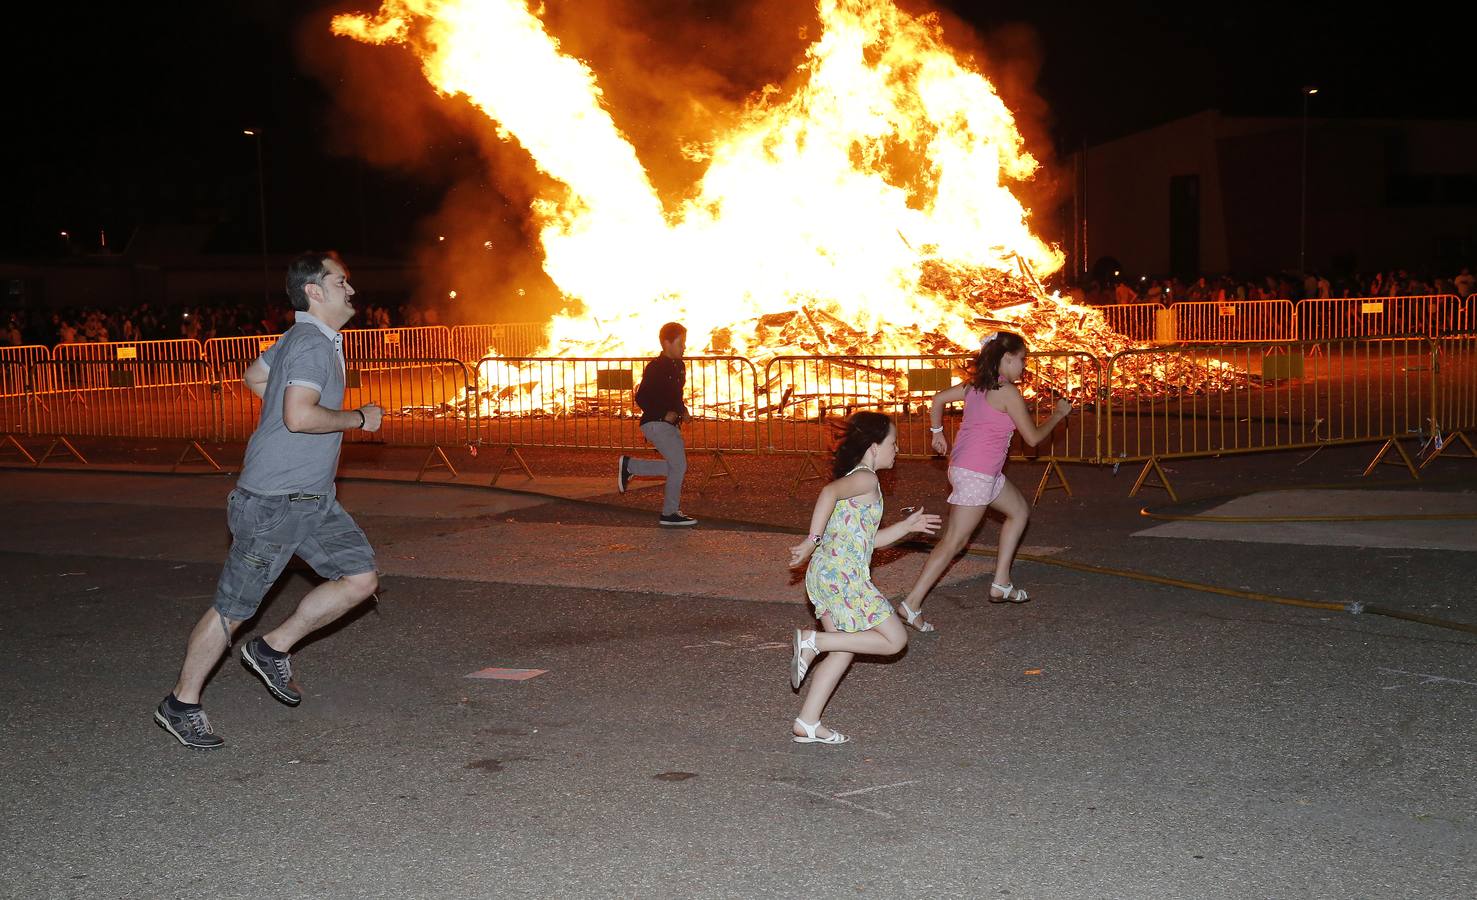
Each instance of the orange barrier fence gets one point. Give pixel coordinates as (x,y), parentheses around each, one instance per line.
(15,406)
(375,346)
(426,402)
(471,343)
(1139,405)
(1455,365)
(541,402)
(138,399)
(14,367)
(1208,321)
(236,353)
(1257,397)
(1139,321)
(80,367)
(802,396)
(1430,316)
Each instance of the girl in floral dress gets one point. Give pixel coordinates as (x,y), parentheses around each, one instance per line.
(856,618)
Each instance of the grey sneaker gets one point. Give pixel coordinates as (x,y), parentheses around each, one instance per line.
(623,477)
(276,672)
(677,518)
(189,727)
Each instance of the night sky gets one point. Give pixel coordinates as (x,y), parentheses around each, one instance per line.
(123,117)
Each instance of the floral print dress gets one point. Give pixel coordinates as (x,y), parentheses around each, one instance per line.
(839,578)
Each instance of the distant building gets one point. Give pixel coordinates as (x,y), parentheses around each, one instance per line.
(1212,193)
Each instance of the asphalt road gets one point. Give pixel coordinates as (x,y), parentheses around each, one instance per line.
(1114,737)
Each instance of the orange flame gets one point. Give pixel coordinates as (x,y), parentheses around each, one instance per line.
(892,155)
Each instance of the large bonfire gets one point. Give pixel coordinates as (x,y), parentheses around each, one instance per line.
(866,210)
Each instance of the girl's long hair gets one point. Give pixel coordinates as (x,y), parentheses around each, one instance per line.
(984,369)
(857,434)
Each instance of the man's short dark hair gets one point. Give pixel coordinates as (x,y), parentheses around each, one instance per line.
(672,331)
(305,269)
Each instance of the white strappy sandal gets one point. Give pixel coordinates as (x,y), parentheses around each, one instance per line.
(1009,593)
(810,738)
(912,617)
(798,665)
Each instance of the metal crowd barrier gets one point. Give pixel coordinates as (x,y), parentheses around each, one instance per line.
(1135,321)
(590,403)
(1455,364)
(15,403)
(1430,315)
(141,400)
(374,347)
(91,366)
(232,353)
(471,343)
(802,397)
(14,367)
(1140,405)
(426,402)
(1258,397)
(1209,321)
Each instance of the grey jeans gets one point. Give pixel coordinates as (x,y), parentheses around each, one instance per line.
(667,439)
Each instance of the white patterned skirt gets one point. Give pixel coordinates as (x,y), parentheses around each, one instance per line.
(973,488)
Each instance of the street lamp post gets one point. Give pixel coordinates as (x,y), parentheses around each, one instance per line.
(261,200)
(1303,218)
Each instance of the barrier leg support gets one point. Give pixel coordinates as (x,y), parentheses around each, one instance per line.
(436,459)
(199,452)
(806,462)
(1152,465)
(1052,468)
(1404,459)
(718,463)
(513,452)
(10,441)
(70,449)
(1445,444)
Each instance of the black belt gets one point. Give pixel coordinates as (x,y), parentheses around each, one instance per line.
(294,498)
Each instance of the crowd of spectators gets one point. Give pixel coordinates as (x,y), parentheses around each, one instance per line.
(1223,288)
(148,323)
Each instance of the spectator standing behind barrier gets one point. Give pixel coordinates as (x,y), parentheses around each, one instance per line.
(662,412)
(1464,283)
(993,411)
(284,503)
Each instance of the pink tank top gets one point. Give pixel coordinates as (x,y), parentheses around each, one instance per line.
(983,440)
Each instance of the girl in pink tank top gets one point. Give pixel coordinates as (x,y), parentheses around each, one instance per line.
(994,411)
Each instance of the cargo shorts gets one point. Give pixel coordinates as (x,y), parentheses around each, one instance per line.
(268,529)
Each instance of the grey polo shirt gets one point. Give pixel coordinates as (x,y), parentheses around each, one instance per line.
(279,461)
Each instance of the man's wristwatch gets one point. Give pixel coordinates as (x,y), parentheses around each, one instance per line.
(362,421)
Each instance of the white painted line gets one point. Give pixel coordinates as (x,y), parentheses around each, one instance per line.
(830,799)
(1430,679)
(507,674)
(880,787)
(781,645)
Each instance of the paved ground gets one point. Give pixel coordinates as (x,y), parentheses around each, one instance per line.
(1115,737)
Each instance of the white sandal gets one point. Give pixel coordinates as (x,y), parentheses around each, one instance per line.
(810,738)
(798,665)
(912,618)
(1009,593)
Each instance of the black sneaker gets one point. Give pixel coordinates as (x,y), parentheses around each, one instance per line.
(677,518)
(189,726)
(275,671)
(623,477)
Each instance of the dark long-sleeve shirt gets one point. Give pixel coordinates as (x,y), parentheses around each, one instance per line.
(661,389)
